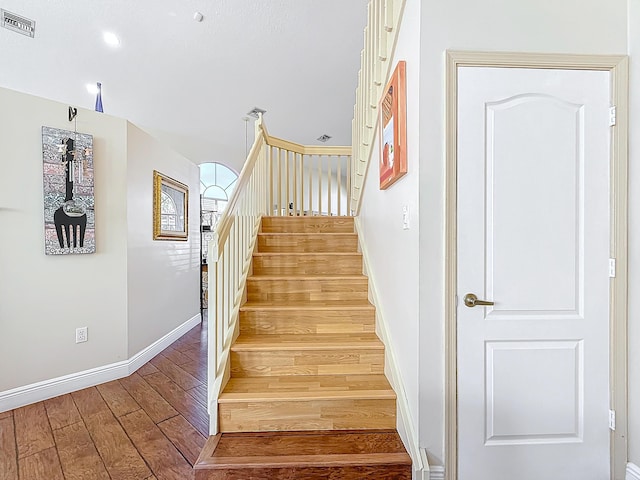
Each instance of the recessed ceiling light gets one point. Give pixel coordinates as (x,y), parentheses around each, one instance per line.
(92,88)
(111,39)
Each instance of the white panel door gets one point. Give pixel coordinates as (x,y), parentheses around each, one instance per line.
(533,237)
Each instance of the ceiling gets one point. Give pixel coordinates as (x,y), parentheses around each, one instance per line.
(190,83)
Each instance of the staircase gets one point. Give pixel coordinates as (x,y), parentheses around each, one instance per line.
(307,366)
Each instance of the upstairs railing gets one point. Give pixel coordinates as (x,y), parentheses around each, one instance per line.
(308,180)
(380,36)
(278,178)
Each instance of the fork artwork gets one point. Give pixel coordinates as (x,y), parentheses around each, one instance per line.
(70,216)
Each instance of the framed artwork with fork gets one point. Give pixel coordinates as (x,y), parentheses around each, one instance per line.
(69,215)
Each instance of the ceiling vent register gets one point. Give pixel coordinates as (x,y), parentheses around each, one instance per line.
(324,138)
(255,113)
(18,24)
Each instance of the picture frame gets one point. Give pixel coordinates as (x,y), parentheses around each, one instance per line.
(170,208)
(393,128)
(68,191)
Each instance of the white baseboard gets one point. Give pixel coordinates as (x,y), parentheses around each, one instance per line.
(36,392)
(435,473)
(633,472)
(428,472)
(405,424)
(146,354)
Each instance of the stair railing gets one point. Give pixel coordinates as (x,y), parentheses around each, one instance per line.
(308,180)
(278,178)
(229,260)
(380,36)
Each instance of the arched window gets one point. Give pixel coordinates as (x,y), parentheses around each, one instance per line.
(217,182)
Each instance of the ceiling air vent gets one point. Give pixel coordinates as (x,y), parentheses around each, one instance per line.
(255,113)
(18,24)
(324,138)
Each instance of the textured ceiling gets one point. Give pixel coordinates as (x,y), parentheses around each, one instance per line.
(191,83)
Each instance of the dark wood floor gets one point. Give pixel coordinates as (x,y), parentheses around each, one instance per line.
(150,425)
(326,455)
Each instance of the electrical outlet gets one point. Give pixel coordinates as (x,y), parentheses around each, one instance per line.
(81,334)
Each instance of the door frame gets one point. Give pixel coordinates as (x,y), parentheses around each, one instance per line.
(618,68)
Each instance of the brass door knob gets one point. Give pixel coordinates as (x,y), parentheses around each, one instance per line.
(471,300)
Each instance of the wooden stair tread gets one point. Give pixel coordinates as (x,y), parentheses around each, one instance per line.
(305,254)
(310,262)
(308,224)
(306,387)
(307,242)
(307,321)
(290,218)
(308,234)
(306,276)
(304,217)
(303,449)
(293,218)
(319,305)
(319,341)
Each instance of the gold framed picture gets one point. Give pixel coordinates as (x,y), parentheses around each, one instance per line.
(170,208)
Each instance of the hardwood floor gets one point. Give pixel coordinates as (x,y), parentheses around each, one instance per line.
(150,425)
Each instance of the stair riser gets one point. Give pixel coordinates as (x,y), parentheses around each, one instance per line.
(307,415)
(307,243)
(371,472)
(308,224)
(264,322)
(307,290)
(305,362)
(317,264)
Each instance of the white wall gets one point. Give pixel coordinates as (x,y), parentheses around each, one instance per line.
(130,293)
(554,26)
(163,276)
(392,251)
(44,298)
(634,235)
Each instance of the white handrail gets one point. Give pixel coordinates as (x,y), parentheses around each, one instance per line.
(278,178)
(380,36)
(229,260)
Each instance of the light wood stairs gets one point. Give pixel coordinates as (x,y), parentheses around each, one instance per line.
(307,363)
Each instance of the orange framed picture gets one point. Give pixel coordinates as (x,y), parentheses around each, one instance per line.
(393,128)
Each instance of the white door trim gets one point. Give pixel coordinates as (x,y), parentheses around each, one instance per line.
(618,66)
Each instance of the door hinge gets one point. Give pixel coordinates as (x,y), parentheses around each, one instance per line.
(612,420)
(612,116)
(612,268)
